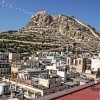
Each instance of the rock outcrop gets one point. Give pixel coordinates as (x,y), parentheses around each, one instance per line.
(64,30)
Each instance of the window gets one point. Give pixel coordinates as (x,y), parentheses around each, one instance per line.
(76,62)
(4,65)
(68,61)
(79,62)
(72,61)
(2,69)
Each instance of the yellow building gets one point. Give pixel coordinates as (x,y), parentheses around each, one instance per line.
(14,69)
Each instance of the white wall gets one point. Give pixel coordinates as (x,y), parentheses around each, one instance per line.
(4,89)
(53,67)
(61,74)
(95,64)
(1,90)
(23,75)
(14,56)
(50,57)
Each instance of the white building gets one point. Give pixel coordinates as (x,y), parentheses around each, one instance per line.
(24,75)
(54,61)
(95,64)
(4,89)
(62,72)
(51,67)
(13,99)
(13,56)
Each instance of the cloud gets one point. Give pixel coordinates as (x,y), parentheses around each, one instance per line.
(3,3)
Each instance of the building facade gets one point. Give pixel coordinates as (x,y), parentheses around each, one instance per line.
(5,68)
(77,64)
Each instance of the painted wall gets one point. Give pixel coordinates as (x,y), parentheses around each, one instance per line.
(95,64)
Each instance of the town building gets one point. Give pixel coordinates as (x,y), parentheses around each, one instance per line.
(95,64)
(89,91)
(4,89)
(5,68)
(62,72)
(52,62)
(14,57)
(78,64)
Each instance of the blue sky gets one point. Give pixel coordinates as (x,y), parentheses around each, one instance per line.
(15,14)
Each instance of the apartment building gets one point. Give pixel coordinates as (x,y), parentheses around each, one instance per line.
(5,68)
(78,64)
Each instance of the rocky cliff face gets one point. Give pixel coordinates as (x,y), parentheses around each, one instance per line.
(63,30)
(42,19)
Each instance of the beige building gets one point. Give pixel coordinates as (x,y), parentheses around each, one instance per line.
(14,56)
(77,64)
(15,69)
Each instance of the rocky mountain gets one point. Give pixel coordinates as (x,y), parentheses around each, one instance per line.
(61,30)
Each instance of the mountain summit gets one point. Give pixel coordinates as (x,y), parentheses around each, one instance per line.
(62,30)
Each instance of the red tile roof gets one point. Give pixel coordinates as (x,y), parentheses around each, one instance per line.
(89,91)
(85,94)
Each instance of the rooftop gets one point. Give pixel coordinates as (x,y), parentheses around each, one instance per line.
(89,91)
(13,99)
(3,84)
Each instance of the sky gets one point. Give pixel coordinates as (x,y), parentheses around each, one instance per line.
(15,14)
